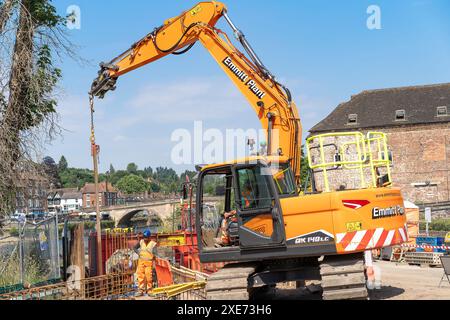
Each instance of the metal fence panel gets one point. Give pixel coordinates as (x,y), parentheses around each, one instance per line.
(31,257)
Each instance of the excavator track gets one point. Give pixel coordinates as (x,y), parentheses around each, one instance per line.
(230,283)
(343,278)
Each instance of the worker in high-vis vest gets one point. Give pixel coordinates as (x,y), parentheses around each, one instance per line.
(146,250)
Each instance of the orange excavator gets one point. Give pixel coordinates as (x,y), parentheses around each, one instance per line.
(280,232)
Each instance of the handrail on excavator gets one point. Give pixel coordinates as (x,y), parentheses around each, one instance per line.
(353,151)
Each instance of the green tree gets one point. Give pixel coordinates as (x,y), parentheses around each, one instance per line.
(62,164)
(304,171)
(76,178)
(51,170)
(148,172)
(112,170)
(132,168)
(132,184)
(115,178)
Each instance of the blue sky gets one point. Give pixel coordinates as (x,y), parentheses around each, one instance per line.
(321,49)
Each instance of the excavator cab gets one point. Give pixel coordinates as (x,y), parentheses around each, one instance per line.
(252,194)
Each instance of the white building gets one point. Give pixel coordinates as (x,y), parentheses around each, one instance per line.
(71,202)
(64,201)
(54,202)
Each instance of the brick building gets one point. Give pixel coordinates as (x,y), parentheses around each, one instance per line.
(417,122)
(31,197)
(108,195)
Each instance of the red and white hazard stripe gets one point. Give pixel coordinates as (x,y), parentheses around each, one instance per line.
(425,246)
(370,239)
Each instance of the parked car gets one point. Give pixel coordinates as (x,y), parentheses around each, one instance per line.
(38,216)
(18,216)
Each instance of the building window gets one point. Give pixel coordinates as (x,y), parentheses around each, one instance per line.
(442,111)
(353,119)
(400,115)
(88,200)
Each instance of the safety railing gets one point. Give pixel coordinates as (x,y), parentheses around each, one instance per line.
(187,285)
(351,154)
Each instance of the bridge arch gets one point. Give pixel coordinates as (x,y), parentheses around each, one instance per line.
(123,215)
(126,218)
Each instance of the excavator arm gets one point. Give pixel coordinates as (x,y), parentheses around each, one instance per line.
(270,100)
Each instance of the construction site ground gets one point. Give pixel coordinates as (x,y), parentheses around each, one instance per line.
(399,282)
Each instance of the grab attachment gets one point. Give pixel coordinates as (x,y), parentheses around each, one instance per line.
(104,82)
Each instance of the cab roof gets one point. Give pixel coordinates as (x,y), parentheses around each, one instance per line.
(243,161)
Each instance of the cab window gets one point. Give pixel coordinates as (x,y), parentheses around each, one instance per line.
(254,191)
(284,180)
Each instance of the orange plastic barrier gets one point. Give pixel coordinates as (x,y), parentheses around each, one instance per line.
(163,273)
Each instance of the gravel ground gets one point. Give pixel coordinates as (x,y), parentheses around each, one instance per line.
(405,282)
(399,282)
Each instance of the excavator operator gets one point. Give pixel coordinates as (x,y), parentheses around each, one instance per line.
(230,217)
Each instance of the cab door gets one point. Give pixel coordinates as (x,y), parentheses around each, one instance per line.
(260,218)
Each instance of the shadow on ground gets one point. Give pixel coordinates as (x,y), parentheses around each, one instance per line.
(385,293)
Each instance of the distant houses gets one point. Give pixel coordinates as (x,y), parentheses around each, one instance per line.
(108,195)
(31,195)
(67,201)
(64,201)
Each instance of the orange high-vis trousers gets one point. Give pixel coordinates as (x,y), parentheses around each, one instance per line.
(145,275)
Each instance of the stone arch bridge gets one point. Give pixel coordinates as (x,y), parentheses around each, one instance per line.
(122,214)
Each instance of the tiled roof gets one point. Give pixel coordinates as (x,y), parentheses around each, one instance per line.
(378,108)
(90,188)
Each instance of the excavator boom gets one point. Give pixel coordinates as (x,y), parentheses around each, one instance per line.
(271,101)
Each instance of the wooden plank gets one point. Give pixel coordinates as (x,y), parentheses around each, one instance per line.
(222,276)
(343,262)
(345,294)
(229,296)
(228,284)
(352,279)
(77,256)
(341,270)
(229,269)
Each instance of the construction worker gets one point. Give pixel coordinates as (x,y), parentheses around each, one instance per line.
(146,250)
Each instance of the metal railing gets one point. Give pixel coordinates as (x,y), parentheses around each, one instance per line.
(30,254)
(367,155)
(188,285)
